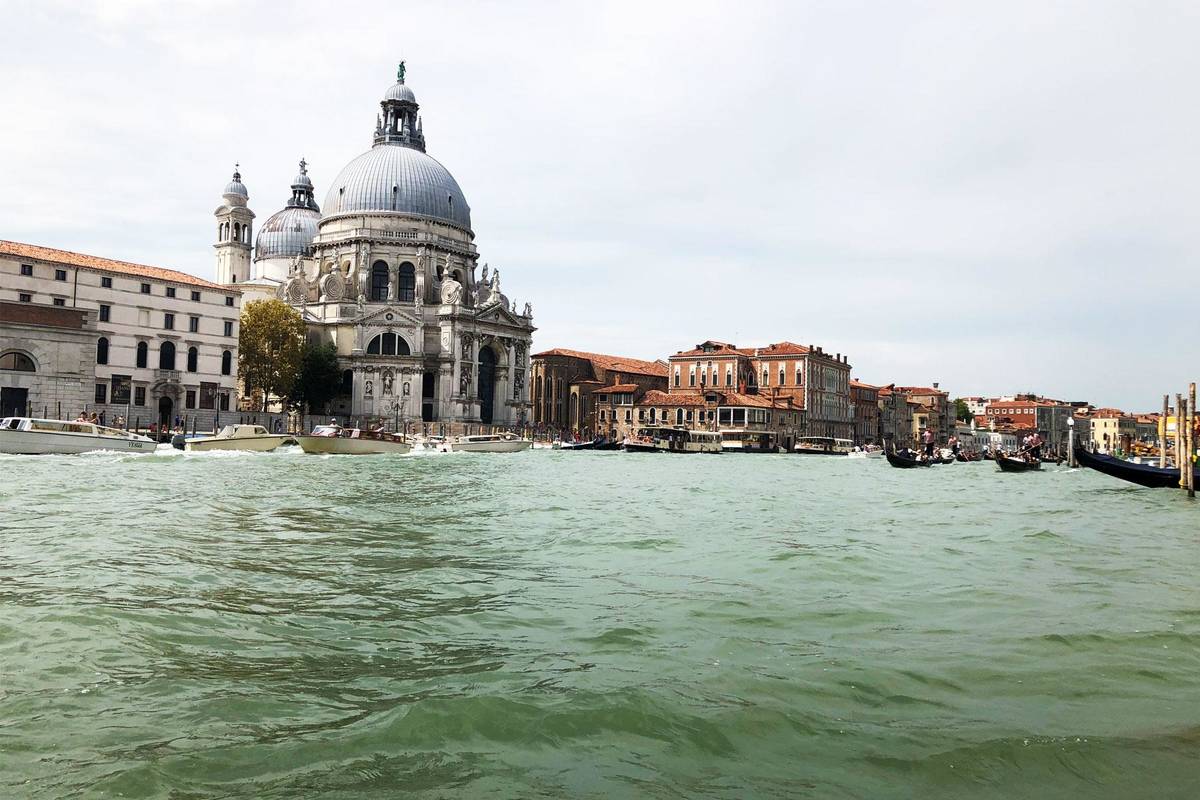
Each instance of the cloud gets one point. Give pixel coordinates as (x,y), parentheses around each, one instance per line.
(999,198)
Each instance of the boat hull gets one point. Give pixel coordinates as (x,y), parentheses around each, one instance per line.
(41,443)
(1017,465)
(664,447)
(256,444)
(905,463)
(345,446)
(488,447)
(1142,474)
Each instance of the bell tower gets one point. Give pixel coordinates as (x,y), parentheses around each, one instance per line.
(235,223)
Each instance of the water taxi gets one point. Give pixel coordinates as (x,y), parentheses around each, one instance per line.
(30,436)
(736,440)
(866,451)
(336,440)
(665,439)
(823,446)
(486,443)
(250,438)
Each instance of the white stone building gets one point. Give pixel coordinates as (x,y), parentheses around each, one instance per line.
(163,344)
(389,272)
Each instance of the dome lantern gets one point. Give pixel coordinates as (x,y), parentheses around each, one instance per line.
(398,124)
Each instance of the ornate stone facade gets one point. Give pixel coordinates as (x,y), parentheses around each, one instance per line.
(392,278)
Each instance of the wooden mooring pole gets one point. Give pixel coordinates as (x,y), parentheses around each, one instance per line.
(1188,469)
(1162,433)
(1181,415)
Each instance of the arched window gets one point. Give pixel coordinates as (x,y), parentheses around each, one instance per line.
(388,344)
(379,281)
(17,362)
(237,231)
(166,355)
(408,282)
(142,350)
(347,381)
(679,416)
(102,350)
(226,363)
(193,359)
(653,415)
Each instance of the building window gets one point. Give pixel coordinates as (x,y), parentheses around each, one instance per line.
(782,375)
(189,399)
(728,375)
(192,359)
(17,362)
(142,349)
(168,322)
(799,375)
(170,291)
(691,378)
(226,362)
(628,415)
(102,350)
(145,288)
(408,282)
(60,301)
(677,377)
(195,297)
(139,395)
(193,324)
(25,297)
(101,392)
(60,275)
(388,344)
(766,381)
(228,327)
(105,313)
(224,401)
(679,416)
(166,355)
(379,281)
(106,283)
(228,300)
(27,270)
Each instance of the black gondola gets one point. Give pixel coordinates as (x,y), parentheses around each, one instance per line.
(904,462)
(591,445)
(1009,464)
(1142,474)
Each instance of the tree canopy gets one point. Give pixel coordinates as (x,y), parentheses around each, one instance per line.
(961,410)
(320,380)
(270,348)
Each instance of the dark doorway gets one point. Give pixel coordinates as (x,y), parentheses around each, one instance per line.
(13,401)
(427,396)
(165,406)
(487,384)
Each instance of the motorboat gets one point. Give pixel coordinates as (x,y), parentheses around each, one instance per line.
(823,446)
(740,440)
(250,438)
(336,440)
(666,439)
(31,436)
(905,459)
(1148,475)
(486,443)
(868,451)
(1011,464)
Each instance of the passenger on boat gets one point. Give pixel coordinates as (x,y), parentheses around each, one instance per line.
(927,439)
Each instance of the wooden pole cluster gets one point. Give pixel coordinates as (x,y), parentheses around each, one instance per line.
(1186,468)
(1162,432)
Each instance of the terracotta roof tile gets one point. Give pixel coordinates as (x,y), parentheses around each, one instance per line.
(49,254)
(611,363)
(618,387)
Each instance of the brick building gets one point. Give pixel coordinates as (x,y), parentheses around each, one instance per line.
(864,406)
(565,383)
(47,360)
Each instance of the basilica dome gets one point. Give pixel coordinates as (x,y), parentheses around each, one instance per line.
(289,232)
(395,178)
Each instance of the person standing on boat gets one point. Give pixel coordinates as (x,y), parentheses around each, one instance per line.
(927,439)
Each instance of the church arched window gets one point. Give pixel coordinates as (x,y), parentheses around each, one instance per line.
(166,355)
(142,350)
(379,281)
(237,231)
(226,363)
(388,344)
(102,350)
(408,282)
(193,359)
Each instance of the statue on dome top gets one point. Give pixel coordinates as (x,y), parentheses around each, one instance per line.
(400,72)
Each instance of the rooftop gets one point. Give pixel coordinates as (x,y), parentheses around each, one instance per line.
(49,254)
(611,363)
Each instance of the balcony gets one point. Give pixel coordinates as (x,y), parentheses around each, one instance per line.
(172,375)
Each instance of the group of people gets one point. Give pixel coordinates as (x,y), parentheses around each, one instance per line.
(1031,447)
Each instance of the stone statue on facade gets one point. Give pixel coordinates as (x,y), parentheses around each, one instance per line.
(464,382)
(369,389)
(484,277)
(466,347)
(387,382)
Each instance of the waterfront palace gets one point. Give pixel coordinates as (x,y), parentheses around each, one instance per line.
(387,271)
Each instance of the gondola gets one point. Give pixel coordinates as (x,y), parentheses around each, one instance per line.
(588,445)
(897,460)
(1141,474)
(1009,464)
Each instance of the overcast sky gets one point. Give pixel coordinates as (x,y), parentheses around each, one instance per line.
(997,196)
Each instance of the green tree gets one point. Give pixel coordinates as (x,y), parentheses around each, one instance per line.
(320,380)
(270,348)
(961,411)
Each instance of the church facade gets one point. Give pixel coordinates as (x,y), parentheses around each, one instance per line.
(387,270)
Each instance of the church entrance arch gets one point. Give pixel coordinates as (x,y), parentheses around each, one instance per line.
(487,384)
(165,406)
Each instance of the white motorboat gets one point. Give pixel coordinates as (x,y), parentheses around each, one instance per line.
(251,438)
(666,439)
(869,451)
(335,440)
(30,436)
(489,443)
(822,446)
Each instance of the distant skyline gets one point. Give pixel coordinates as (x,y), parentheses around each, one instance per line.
(998,198)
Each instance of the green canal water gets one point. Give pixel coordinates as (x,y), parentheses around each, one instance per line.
(592,625)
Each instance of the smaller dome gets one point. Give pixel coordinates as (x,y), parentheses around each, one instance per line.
(235,191)
(287,233)
(401,93)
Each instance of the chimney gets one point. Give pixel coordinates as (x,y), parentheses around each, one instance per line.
(935,384)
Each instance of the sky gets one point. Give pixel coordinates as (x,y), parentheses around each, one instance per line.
(999,197)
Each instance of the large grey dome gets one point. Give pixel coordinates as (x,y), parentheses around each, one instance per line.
(287,233)
(395,178)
